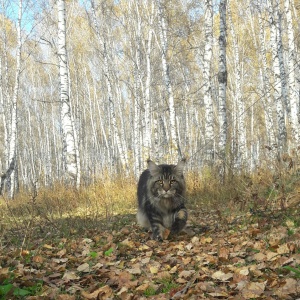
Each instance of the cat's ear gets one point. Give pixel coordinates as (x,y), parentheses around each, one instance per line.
(180,166)
(153,167)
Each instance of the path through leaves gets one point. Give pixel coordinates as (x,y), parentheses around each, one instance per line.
(248,260)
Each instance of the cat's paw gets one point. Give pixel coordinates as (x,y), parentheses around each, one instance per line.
(157,237)
(178,226)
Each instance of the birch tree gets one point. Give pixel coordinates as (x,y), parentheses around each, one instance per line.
(147,99)
(222,79)
(268,105)
(11,173)
(278,90)
(240,114)
(174,142)
(69,144)
(207,97)
(106,71)
(293,99)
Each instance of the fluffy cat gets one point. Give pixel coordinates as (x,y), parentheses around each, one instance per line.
(161,195)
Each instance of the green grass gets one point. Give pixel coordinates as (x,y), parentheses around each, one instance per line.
(295,271)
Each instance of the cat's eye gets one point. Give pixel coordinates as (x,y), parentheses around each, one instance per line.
(160,182)
(172,181)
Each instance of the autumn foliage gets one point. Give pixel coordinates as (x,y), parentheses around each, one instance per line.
(242,242)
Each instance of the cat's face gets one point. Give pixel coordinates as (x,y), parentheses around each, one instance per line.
(166,187)
(167,180)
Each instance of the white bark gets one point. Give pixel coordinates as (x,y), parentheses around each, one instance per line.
(268,107)
(222,78)
(291,76)
(207,97)
(12,159)
(278,92)
(174,143)
(147,102)
(112,111)
(69,145)
(241,129)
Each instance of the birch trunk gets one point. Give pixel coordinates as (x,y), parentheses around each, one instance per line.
(222,78)
(174,143)
(207,97)
(10,174)
(69,146)
(241,128)
(112,111)
(291,77)
(147,102)
(268,107)
(278,91)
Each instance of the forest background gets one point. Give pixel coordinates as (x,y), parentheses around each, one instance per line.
(146,79)
(90,89)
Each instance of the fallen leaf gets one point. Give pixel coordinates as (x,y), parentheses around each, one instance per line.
(290,287)
(195,240)
(166,234)
(153,270)
(218,294)
(70,276)
(271,256)
(61,253)
(186,274)
(37,259)
(65,297)
(135,271)
(259,256)
(244,271)
(102,293)
(206,240)
(219,275)
(253,290)
(283,249)
(142,288)
(127,242)
(224,253)
(84,268)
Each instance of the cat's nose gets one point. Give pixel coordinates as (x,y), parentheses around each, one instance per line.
(166,187)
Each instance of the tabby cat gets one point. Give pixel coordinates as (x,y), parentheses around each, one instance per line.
(161,195)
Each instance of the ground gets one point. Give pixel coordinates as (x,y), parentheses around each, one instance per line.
(254,255)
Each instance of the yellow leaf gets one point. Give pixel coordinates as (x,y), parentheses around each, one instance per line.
(219,275)
(253,290)
(283,249)
(142,288)
(290,224)
(153,270)
(206,240)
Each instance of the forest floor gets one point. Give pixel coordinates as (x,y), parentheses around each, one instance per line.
(225,252)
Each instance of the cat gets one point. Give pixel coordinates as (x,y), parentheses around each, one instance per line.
(161,199)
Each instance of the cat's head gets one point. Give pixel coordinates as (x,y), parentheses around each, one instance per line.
(166,180)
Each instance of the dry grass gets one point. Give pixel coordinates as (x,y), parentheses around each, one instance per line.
(58,211)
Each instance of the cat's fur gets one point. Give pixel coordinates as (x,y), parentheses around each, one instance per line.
(161,197)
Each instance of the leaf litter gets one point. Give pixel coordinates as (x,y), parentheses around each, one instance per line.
(243,261)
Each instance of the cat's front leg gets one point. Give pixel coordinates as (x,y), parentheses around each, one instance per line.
(180,218)
(157,231)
